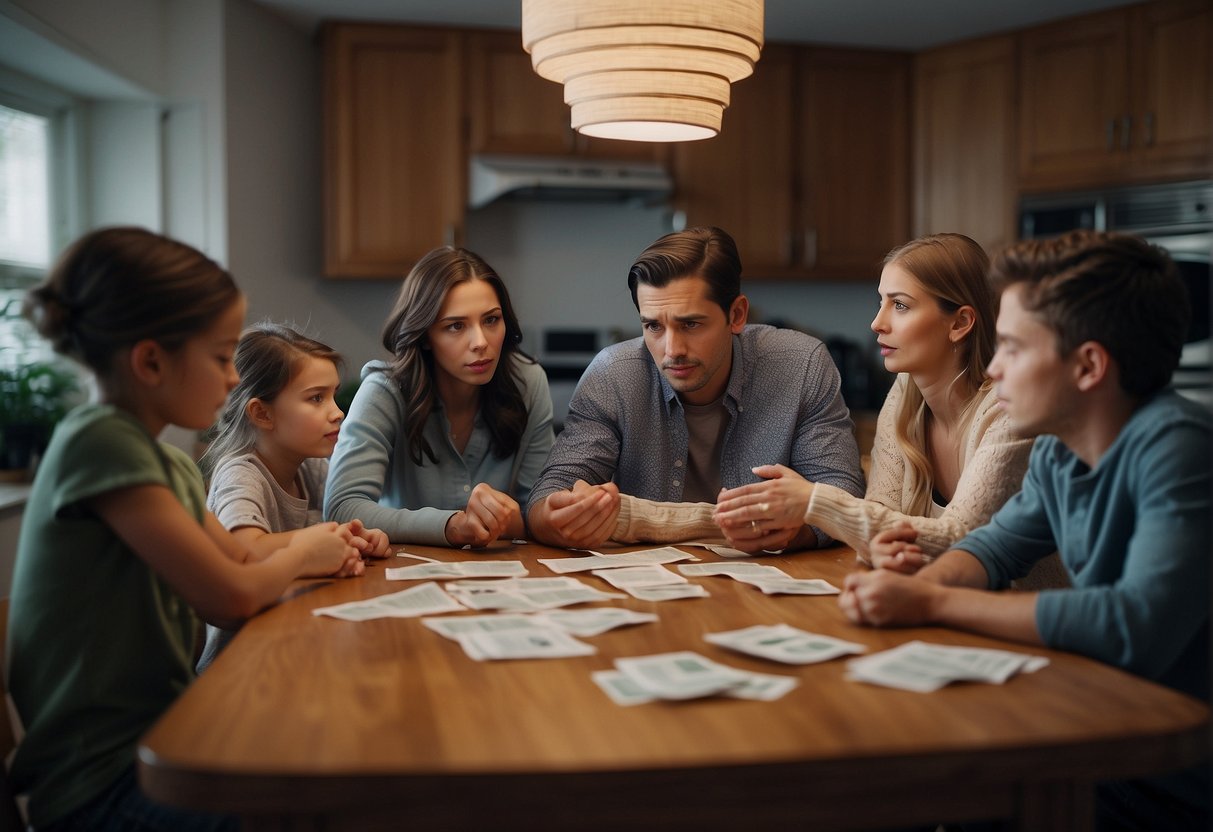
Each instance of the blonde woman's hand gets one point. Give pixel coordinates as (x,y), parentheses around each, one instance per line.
(894,549)
(770,513)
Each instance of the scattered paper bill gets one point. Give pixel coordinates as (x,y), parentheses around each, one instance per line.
(730,552)
(453,627)
(766,687)
(680,675)
(456,569)
(596,560)
(527,594)
(635,576)
(922,667)
(525,643)
(423,599)
(582,623)
(529,584)
(793,586)
(669,592)
(784,643)
(596,621)
(739,571)
(403,554)
(621,688)
(718,549)
(688,675)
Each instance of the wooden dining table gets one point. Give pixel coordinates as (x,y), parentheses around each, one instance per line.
(309,722)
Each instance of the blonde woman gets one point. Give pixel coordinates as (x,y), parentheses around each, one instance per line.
(944,458)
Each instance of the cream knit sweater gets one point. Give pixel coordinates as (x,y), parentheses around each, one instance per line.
(993,463)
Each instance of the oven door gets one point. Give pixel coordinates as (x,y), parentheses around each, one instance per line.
(1191,253)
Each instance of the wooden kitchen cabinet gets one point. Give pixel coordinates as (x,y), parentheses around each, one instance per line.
(1118,97)
(964,129)
(810,173)
(742,180)
(513,110)
(854,171)
(395,156)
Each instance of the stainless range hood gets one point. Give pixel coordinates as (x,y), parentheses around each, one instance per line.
(492,177)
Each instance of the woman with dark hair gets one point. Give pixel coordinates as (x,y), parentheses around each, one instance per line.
(945,458)
(444,441)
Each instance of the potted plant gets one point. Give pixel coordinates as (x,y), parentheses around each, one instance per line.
(33,398)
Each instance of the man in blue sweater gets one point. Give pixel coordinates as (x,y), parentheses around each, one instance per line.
(1090,330)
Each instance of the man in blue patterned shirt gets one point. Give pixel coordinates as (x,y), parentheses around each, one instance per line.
(692,407)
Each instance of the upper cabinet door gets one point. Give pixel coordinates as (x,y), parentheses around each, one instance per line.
(1074,117)
(1173,88)
(743,179)
(513,110)
(854,145)
(1120,97)
(395,176)
(965,141)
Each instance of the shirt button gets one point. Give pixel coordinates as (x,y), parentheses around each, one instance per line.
(676,483)
(467,488)
(678,463)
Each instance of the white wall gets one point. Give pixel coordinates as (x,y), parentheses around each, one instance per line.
(124,163)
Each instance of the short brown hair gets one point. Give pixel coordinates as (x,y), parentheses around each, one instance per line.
(708,253)
(1115,289)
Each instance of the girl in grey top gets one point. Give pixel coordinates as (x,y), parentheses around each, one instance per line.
(269,454)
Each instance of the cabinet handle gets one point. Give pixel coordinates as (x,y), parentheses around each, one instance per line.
(448,234)
(810,247)
(1150,129)
(1126,131)
(789,249)
(1111,132)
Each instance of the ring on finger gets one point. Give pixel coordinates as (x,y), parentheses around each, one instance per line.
(754,525)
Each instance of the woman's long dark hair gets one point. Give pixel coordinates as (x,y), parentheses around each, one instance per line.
(412,366)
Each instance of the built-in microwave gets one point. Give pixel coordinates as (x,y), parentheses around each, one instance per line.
(1177,216)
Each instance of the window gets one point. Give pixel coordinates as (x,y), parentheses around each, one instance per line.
(28,239)
(24,189)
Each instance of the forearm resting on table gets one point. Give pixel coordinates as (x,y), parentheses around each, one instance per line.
(967,604)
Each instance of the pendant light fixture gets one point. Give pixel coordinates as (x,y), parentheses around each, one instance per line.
(644,70)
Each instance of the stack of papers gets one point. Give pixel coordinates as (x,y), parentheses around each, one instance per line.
(456,569)
(922,667)
(685,675)
(424,599)
(784,643)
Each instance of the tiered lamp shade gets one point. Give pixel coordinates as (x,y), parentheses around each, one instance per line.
(644,70)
